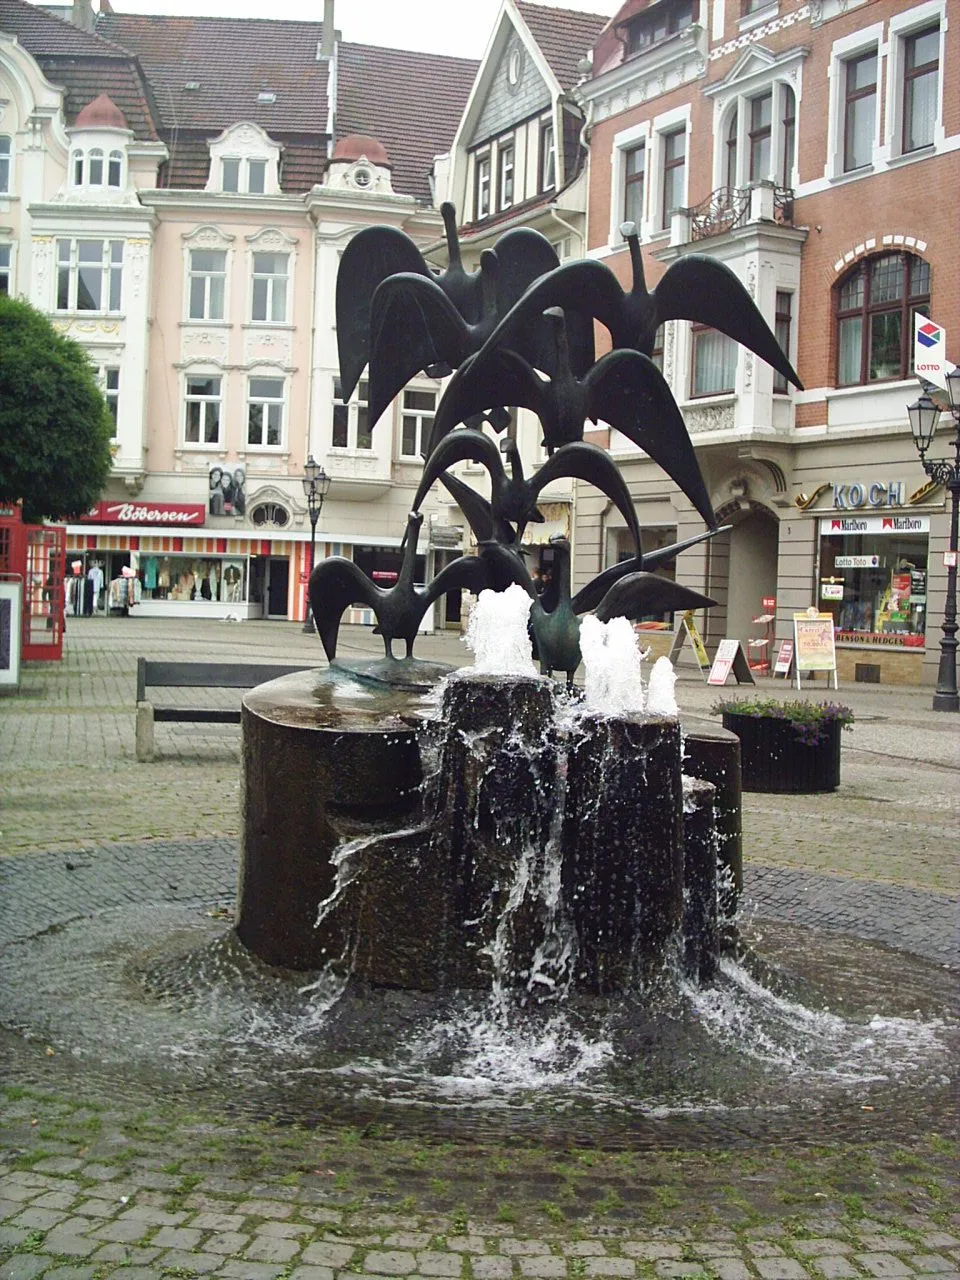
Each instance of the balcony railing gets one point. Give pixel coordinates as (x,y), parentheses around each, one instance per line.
(730,207)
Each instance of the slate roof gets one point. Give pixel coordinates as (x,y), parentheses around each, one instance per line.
(411,102)
(564,36)
(379,91)
(82,64)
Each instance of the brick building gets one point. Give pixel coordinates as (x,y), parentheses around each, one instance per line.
(815,149)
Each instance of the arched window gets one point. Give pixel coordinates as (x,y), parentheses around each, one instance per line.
(78,168)
(95,168)
(875,304)
(115,169)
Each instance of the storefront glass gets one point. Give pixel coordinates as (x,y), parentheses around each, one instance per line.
(220,578)
(873,578)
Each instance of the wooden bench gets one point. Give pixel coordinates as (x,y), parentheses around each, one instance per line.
(196,675)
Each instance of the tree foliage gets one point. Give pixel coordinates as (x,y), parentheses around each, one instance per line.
(55,429)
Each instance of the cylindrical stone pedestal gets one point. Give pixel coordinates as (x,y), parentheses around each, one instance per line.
(623,846)
(712,754)
(701,942)
(313,762)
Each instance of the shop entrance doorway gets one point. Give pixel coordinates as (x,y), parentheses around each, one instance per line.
(752,572)
(278,582)
(450,607)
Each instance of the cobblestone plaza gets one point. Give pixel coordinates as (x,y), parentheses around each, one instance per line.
(93,1181)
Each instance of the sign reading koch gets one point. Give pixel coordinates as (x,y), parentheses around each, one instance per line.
(177,514)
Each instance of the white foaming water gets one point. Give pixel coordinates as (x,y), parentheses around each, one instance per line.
(497,633)
(612,661)
(809,1042)
(661,696)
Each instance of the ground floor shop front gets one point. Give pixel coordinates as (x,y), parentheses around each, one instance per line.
(850,527)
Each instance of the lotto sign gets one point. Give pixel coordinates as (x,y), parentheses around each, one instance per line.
(930,351)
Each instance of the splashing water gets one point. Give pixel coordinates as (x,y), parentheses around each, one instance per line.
(613,664)
(661,696)
(497,633)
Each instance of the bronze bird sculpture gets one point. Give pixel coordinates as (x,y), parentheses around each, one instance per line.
(624,389)
(337,583)
(695,288)
(514,499)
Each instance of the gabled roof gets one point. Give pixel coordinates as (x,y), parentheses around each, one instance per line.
(564,37)
(411,102)
(82,63)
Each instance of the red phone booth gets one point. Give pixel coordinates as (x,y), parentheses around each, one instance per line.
(36,555)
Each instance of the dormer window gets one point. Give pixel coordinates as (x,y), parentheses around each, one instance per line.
(244,160)
(243,177)
(230,180)
(256,176)
(95,168)
(115,169)
(661,21)
(78,168)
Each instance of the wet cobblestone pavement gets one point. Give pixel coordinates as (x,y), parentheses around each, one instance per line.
(97,1180)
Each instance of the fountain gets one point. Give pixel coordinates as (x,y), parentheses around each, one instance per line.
(474,887)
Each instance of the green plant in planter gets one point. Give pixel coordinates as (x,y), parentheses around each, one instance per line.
(811,721)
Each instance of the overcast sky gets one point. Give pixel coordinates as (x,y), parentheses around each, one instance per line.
(458,27)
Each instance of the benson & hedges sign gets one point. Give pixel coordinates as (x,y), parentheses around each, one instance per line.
(176,514)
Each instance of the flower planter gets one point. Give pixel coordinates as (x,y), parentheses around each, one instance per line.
(774,758)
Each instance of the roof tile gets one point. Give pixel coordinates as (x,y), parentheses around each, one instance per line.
(564,37)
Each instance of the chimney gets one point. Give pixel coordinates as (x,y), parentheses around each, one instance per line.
(329,35)
(82,15)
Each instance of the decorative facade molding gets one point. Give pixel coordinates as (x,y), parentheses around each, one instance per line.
(889,242)
(756,34)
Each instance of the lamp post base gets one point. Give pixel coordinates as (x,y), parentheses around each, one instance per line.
(946,701)
(308,627)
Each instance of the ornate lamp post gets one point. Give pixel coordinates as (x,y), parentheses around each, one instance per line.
(316,484)
(924,416)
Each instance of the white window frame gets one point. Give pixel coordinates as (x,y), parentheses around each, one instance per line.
(548,156)
(115,157)
(506,173)
(729,345)
(197,375)
(207,276)
(844,50)
(902,26)
(479,158)
(271,288)
(78,167)
(422,420)
(624,141)
(742,105)
(6,268)
(243,164)
(6,164)
(109,377)
(111,274)
(353,407)
(665,126)
(272,406)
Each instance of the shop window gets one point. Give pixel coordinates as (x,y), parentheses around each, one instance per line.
(782,319)
(212,578)
(202,422)
(382,565)
(875,305)
(5,148)
(5,272)
(208,273)
(674,169)
(481,187)
(548,158)
(265,413)
(89,275)
(417,422)
(351,422)
(875,585)
(270,287)
(634,182)
(921,86)
(714,360)
(860,111)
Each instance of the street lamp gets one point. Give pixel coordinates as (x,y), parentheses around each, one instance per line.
(316,484)
(924,416)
